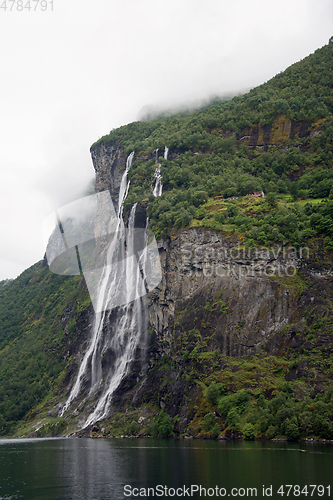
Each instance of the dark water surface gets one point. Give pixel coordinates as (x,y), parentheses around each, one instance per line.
(100,469)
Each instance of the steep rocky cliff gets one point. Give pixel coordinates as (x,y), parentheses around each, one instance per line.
(219,304)
(243,318)
(236,339)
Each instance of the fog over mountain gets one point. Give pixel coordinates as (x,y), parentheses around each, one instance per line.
(72,73)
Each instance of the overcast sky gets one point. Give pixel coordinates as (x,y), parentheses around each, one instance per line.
(71,74)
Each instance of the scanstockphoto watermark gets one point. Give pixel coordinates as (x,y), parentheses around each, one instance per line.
(87,237)
(162,491)
(26,6)
(264,491)
(237,261)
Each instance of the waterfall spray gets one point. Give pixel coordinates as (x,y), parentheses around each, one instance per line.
(117,330)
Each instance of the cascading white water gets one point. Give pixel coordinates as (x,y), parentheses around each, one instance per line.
(128,325)
(124,185)
(112,347)
(157,191)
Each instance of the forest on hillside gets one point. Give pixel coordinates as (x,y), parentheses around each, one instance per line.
(211,160)
(211,168)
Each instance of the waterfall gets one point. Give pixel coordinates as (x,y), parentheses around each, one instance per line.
(124,185)
(157,191)
(128,324)
(117,329)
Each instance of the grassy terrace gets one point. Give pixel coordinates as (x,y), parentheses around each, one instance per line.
(271,221)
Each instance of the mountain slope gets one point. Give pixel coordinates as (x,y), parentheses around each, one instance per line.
(241,323)
(277,138)
(39,312)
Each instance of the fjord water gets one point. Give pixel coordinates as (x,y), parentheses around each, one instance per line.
(99,469)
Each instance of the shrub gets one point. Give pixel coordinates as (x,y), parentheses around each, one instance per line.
(242,399)
(194,354)
(213,392)
(292,429)
(225,404)
(271,199)
(232,210)
(249,432)
(132,429)
(208,421)
(216,430)
(163,427)
(272,432)
(164,424)
(233,419)
(219,218)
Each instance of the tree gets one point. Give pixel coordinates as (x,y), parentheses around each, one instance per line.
(292,429)
(213,392)
(216,430)
(232,210)
(164,424)
(233,419)
(208,421)
(294,190)
(271,199)
(199,197)
(249,432)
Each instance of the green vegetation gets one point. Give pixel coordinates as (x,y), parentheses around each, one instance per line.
(144,421)
(37,323)
(257,416)
(239,393)
(277,138)
(302,92)
(52,429)
(259,223)
(213,392)
(163,427)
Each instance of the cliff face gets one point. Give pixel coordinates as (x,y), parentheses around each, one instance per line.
(278,133)
(108,160)
(253,319)
(213,307)
(217,301)
(213,286)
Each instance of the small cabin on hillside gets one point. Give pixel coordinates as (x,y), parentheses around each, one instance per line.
(257,194)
